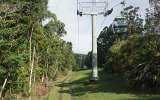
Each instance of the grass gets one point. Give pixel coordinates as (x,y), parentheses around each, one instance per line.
(110,87)
(60,91)
(53,95)
(66,95)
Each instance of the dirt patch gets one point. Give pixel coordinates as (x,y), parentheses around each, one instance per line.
(43,89)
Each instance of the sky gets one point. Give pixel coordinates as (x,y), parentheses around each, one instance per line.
(66,11)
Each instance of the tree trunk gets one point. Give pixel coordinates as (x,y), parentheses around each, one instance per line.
(34,78)
(130,29)
(43,78)
(4,84)
(31,71)
(47,67)
(30,57)
(47,74)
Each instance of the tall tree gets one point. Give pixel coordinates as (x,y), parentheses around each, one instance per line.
(135,23)
(153,17)
(29,49)
(104,41)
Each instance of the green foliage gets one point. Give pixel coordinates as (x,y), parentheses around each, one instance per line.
(105,40)
(20,22)
(107,37)
(153,17)
(88,60)
(135,22)
(80,61)
(135,54)
(138,59)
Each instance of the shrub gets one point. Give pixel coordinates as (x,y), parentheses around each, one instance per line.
(138,58)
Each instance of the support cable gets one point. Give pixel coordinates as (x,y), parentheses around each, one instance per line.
(78,33)
(101,25)
(122,3)
(78,25)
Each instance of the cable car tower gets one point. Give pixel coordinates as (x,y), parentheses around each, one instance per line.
(93,8)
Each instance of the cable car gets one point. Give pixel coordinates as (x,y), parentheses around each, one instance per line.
(119,25)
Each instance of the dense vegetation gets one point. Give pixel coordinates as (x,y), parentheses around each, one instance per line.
(138,59)
(135,54)
(30,51)
(80,61)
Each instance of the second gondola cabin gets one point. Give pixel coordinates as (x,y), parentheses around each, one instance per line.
(119,25)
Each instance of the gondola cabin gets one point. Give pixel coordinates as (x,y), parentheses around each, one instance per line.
(119,25)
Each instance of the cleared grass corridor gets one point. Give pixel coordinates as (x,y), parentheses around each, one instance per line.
(110,87)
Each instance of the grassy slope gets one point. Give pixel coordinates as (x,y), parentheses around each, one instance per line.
(111,87)
(60,89)
(53,95)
